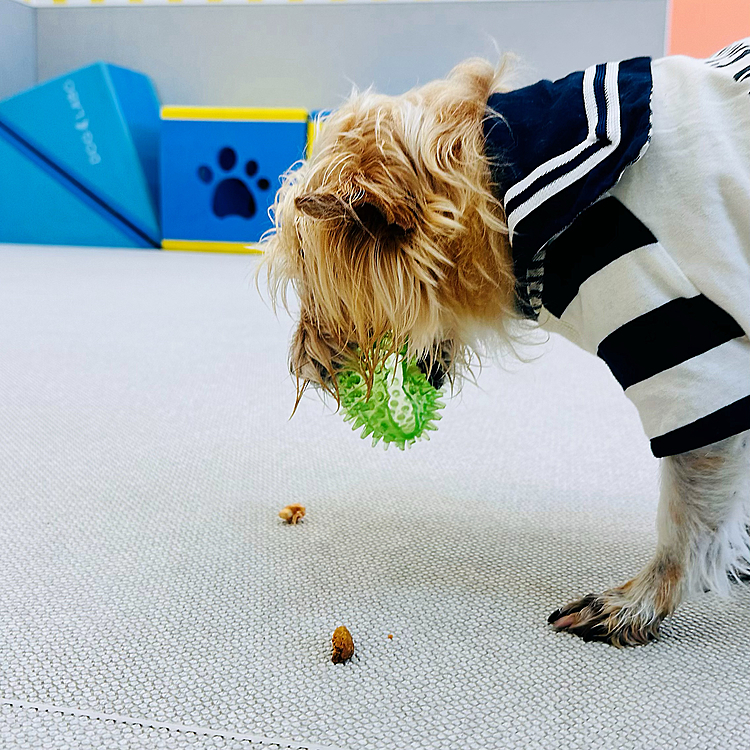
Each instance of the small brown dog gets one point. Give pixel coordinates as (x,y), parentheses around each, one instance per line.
(464,207)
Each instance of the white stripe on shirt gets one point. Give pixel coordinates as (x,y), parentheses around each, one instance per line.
(626,288)
(614,134)
(682,394)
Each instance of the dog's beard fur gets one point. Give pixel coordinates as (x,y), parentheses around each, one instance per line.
(390,232)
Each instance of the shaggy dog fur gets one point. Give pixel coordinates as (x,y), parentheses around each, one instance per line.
(391,228)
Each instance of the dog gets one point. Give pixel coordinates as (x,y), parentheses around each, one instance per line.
(611,206)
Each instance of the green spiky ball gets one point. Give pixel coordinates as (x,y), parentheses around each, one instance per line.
(402,406)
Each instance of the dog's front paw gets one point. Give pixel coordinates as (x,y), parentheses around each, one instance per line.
(608,617)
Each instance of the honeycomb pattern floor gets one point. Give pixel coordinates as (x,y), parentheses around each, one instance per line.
(151,598)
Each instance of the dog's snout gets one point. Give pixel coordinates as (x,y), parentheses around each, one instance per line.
(435,365)
(310,370)
(310,355)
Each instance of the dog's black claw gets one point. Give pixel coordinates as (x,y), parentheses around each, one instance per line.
(594,631)
(596,618)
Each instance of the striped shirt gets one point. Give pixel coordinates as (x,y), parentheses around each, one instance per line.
(598,190)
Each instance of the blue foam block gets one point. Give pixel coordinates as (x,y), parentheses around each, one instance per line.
(219,175)
(81,155)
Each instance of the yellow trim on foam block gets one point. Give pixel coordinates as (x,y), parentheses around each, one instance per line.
(200,246)
(234,113)
(313,129)
(310,137)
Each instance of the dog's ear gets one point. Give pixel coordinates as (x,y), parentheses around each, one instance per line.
(320,205)
(379,216)
(359,208)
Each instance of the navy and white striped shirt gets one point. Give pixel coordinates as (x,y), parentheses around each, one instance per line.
(566,158)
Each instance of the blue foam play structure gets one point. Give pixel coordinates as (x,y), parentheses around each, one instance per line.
(220,170)
(80,161)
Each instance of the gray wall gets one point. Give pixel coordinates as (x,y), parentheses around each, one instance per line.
(17,48)
(308,55)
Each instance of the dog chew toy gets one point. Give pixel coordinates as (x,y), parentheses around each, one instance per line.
(402,405)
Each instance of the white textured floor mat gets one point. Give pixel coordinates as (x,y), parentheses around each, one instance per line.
(151,598)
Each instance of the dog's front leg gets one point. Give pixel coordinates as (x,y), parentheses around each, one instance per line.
(702,543)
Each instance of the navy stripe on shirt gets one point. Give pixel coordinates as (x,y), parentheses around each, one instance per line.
(727,421)
(601,104)
(665,337)
(600,235)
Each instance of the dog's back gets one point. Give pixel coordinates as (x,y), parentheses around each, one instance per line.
(692,186)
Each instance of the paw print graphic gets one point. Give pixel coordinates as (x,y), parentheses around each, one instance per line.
(233,196)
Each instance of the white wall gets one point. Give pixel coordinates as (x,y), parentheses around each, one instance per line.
(17,48)
(307,55)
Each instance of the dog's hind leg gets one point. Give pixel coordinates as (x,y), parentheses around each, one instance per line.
(702,544)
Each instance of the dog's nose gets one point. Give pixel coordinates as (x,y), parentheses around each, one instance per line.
(437,364)
(434,372)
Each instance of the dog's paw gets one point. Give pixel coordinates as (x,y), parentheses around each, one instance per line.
(608,617)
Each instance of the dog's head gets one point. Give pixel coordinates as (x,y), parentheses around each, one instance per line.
(390,231)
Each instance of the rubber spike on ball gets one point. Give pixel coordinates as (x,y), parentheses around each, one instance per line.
(401,407)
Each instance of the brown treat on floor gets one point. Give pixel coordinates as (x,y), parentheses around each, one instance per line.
(343,645)
(292,513)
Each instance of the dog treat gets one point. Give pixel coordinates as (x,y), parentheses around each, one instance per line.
(402,405)
(343,645)
(292,513)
